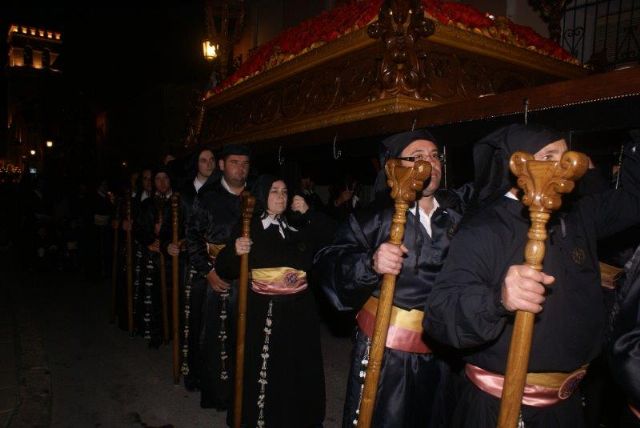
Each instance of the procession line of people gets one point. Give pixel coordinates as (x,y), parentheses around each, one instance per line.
(460,279)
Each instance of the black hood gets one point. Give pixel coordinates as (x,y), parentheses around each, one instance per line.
(260,191)
(491,157)
(391,147)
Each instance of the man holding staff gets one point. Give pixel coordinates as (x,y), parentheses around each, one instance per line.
(351,270)
(484,282)
(215,214)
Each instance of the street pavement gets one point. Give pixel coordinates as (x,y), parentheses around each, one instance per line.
(8,369)
(63,365)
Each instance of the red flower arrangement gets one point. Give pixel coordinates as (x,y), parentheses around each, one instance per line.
(469,18)
(309,34)
(337,22)
(541,44)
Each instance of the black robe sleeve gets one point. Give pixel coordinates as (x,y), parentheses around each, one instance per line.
(198,225)
(464,309)
(617,210)
(228,262)
(624,352)
(344,268)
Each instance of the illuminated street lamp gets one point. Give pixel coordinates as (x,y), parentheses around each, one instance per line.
(49,143)
(32,152)
(209,50)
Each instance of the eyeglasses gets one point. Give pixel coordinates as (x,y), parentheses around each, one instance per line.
(424,157)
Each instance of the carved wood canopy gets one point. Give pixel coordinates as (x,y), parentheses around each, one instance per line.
(357,78)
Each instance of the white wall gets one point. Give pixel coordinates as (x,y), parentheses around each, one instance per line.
(520,12)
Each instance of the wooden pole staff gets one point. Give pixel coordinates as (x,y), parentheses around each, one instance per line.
(405,182)
(129,248)
(114,263)
(163,283)
(248,203)
(175,299)
(542,182)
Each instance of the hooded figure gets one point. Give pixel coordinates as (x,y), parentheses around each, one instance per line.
(162,169)
(484,281)
(351,269)
(391,148)
(283,382)
(491,157)
(152,228)
(260,191)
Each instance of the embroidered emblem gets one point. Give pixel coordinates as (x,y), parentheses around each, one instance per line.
(578,255)
(452,230)
(291,278)
(570,384)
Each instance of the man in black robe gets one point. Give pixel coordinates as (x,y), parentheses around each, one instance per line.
(153,217)
(351,270)
(483,283)
(216,212)
(201,179)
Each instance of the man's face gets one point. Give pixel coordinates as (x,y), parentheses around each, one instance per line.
(162,182)
(147,182)
(427,151)
(206,164)
(235,169)
(552,151)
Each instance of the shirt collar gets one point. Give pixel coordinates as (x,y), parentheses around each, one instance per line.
(197,184)
(435,206)
(510,195)
(425,218)
(282,224)
(225,185)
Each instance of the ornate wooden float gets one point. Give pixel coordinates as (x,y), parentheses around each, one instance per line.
(398,59)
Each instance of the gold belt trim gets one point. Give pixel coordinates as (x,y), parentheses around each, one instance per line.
(410,320)
(214,249)
(609,275)
(275,273)
(553,379)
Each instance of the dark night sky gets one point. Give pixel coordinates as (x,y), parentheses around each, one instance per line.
(117,49)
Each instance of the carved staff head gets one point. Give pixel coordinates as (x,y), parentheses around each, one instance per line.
(492,156)
(175,200)
(248,203)
(544,181)
(406,181)
(401,146)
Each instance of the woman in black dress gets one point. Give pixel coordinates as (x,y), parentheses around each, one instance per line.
(283,376)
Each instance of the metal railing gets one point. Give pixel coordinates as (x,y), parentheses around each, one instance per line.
(605,33)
